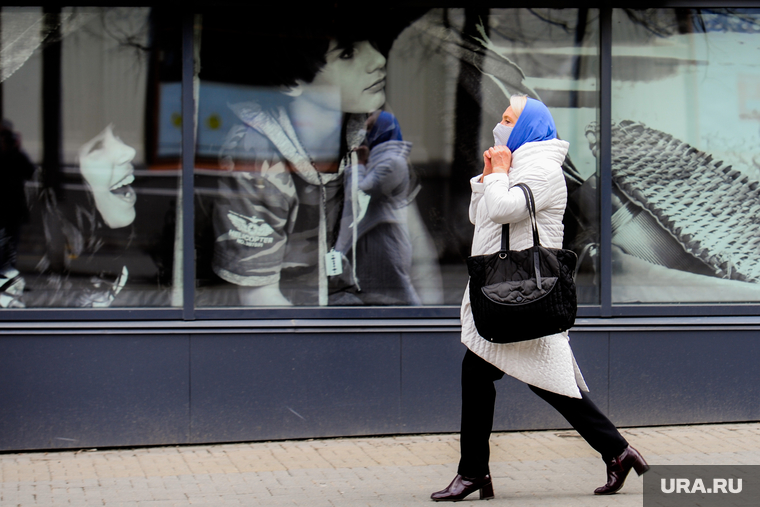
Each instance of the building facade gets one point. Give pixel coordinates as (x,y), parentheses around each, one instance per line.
(247,223)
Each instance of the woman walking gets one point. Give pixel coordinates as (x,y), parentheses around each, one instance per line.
(533,155)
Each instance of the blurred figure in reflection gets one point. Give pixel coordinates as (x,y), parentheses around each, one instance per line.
(16,169)
(76,231)
(382,249)
(277,215)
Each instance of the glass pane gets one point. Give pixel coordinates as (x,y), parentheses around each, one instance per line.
(685,162)
(334,156)
(87,211)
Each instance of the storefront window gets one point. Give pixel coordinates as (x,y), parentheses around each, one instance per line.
(87,208)
(685,158)
(334,152)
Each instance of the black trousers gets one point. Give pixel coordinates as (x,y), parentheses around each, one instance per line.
(479,396)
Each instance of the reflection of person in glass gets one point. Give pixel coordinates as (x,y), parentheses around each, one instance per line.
(383,248)
(532,155)
(15,168)
(278,213)
(73,238)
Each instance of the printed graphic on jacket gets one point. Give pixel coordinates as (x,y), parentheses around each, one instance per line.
(250,231)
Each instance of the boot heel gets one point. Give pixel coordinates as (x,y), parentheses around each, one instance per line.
(641,466)
(638,462)
(486,492)
(618,469)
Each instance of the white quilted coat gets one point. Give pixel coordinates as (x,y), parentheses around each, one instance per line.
(546,362)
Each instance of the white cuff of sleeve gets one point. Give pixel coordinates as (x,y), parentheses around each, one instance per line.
(494,177)
(476,185)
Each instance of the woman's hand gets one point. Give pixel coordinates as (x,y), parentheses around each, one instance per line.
(487,168)
(362,153)
(501,159)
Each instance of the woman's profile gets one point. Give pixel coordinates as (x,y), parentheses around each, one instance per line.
(92,224)
(281,195)
(526,151)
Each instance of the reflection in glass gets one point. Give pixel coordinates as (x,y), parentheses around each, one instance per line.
(450,75)
(15,170)
(381,246)
(77,87)
(685,165)
(285,212)
(75,234)
(304,208)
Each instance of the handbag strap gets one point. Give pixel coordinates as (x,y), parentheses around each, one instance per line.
(530,203)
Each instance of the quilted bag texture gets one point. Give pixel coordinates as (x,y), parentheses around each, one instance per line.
(513,301)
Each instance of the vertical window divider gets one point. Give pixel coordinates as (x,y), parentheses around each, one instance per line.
(605,160)
(188,159)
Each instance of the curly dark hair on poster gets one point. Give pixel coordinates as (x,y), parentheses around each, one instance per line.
(273,48)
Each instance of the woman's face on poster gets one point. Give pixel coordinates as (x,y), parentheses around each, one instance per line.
(357,73)
(106,166)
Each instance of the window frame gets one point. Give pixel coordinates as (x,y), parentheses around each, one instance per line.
(189,312)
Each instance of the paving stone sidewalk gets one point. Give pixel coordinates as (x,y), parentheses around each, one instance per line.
(539,468)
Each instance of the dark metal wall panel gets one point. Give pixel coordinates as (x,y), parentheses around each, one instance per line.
(93,391)
(431,391)
(279,386)
(682,377)
(77,391)
(430,388)
(518,408)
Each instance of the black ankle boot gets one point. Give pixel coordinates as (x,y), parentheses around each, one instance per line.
(618,468)
(460,487)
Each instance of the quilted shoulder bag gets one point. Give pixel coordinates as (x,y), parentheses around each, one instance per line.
(526,294)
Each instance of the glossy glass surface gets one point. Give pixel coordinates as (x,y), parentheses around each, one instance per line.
(685,158)
(307,195)
(88,206)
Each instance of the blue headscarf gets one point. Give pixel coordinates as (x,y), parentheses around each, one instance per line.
(534,124)
(386,128)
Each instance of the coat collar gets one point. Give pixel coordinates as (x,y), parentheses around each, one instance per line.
(553,150)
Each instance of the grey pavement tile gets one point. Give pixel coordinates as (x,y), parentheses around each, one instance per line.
(172,495)
(283,492)
(212,499)
(282,502)
(342,502)
(547,469)
(161,503)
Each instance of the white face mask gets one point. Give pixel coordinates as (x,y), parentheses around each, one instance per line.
(501,134)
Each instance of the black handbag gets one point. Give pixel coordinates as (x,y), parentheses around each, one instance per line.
(523,295)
